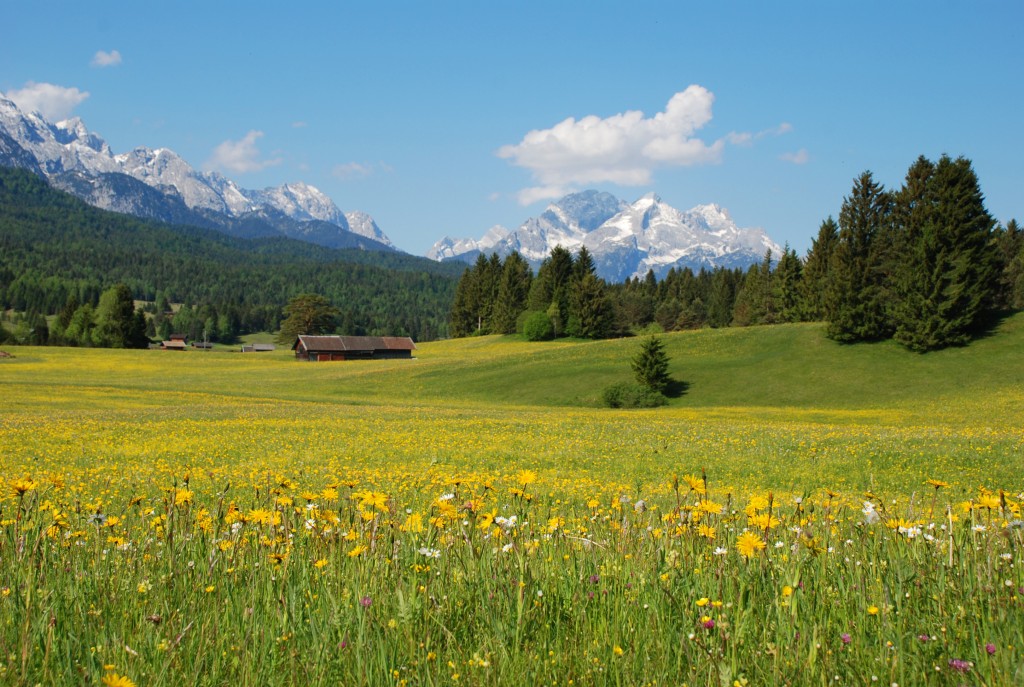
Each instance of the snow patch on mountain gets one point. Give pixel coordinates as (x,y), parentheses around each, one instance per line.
(362,224)
(81,162)
(625,239)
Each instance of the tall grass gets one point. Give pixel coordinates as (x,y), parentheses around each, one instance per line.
(466,518)
(492,579)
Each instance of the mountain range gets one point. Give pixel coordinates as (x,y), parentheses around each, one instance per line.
(625,239)
(159,184)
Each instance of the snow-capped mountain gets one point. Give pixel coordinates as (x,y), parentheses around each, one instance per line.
(448,247)
(159,184)
(362,224)
(625,240)
(565,223)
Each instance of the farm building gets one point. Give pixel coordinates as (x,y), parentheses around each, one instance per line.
(178,342)
(325,348)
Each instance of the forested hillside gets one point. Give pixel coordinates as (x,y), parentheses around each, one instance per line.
(56,251)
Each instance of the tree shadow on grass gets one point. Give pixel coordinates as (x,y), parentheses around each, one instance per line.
(676,388)
(989,325)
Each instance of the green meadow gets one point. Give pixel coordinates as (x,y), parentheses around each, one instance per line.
(801,513)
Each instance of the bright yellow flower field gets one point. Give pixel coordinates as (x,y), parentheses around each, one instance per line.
(212,517)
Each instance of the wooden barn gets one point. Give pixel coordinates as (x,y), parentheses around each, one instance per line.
(325,348)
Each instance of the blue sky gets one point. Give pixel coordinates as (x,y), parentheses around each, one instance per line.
(445,118)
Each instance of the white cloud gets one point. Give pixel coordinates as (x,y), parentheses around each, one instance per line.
(624,149)
(299,125)
(800,157)
(240,156)
(53,102)
(360,170)
(352,170)
(106,59)
(528,196)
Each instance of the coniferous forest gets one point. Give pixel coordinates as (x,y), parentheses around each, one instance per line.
(67,268)
(924,264)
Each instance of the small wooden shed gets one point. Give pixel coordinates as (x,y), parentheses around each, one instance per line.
(326,348)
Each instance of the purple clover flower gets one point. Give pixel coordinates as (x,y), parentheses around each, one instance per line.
(960,665)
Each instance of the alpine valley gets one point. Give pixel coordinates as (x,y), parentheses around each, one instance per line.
(625,240)
(158,184)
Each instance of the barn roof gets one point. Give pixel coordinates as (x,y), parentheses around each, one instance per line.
(342,344)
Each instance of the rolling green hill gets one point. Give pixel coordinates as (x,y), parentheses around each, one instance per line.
(760,370)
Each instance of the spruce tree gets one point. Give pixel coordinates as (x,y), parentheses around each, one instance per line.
(721,296)
(591,310)
(650,365)
(945,278)
(814,278)
(513,291)
(1009,242)
(552,286)
(463,317)
(583,265)
(855,297)
(787,298)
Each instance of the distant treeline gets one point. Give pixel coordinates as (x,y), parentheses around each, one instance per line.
(925,264)
(59,255)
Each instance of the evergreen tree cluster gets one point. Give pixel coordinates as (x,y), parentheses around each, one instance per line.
(926,265)
(565,298)
(58,256)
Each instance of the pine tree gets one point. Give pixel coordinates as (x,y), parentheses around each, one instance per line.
(650,365)
(552,286)
(1009,241)
(722,296)
(583,265)
(855,292)
(945,278)
(591,311)
(754,303)
(463,317)
(513,292)
(115,316)
(814,278)
(308,313)
(787,300)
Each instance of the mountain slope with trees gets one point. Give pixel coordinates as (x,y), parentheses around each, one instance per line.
(55,250)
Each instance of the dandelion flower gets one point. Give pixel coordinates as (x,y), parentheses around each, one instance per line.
(22,485)
(526,477)
(115,680)
(748,544)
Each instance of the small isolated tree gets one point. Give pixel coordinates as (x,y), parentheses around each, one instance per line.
(308,313)
(650,365)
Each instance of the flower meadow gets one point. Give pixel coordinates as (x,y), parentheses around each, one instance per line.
(156,533)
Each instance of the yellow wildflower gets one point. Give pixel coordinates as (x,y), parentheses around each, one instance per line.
(748,544)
